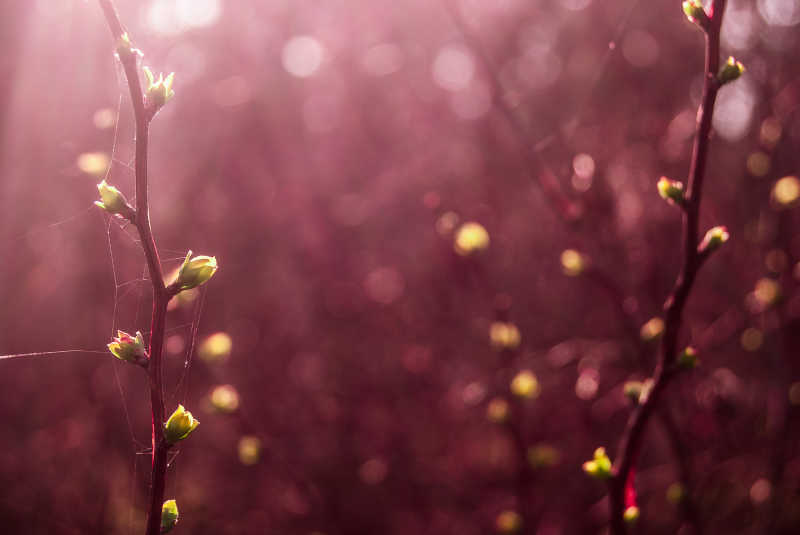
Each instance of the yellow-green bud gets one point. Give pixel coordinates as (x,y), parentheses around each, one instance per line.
(631,514)
(695,13)
(195,271)
(471,238)
(249,450)
(730,71)
(179,425)
(671,190)
(786,191)
(169,515)
(713,239)
(113,201)
(225,399)
(128,348)
(159,90)
(600,466)
(504,335)
(687,358)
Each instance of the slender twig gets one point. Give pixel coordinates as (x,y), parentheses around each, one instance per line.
(631,441)
(535,165)
(161,294)
(681,453)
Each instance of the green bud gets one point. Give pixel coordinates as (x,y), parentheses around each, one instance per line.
(713,239)
(695,13)
(179,425)
(113,201)
(159,90)
(195,271)
(631,514)
(730,71)
(169,515)
(687,359)
(671,190)
(128,348)
(600,466)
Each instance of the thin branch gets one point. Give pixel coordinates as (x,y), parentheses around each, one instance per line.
(538,169)
(631,441)
(160,294)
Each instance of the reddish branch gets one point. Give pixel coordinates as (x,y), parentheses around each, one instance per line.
(161,294)
(631,442)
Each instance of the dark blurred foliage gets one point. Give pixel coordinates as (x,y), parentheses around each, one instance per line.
(326,153)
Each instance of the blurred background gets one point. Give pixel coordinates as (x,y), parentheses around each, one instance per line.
(441,250)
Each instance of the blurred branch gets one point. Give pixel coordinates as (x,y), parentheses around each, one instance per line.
(666,369)
(161,295)
(540,172)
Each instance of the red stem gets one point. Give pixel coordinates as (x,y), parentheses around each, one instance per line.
(161,295)
(631,441)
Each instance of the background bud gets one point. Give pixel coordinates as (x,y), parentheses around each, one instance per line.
(652,329)
(504,335)
(525,385)
(687,358)
(497,411)
(572,262)
(471,238)
(508,522)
